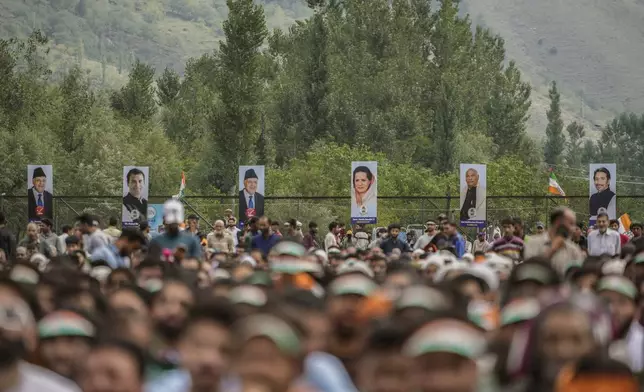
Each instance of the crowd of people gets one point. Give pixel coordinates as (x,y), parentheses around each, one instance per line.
(269,307)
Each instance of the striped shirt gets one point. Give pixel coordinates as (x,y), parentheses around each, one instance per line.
(511,247)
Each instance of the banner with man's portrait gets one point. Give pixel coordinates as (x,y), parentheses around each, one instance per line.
(251,192)
(602,183)
(473,194)
(136,182)
(364,192)
(40,192)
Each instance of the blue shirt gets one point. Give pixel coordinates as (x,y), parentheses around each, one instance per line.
(190,242)
(110,254)
(180,381)
(459,245)
(327,373)
(264,244)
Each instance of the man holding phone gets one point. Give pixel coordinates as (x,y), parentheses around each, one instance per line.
(555,243)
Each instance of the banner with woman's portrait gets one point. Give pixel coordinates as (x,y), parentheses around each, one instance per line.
(473,187)
(602,184)
(364,192)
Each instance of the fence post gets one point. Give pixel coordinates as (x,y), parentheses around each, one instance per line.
(449,203)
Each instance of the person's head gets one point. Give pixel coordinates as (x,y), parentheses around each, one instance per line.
(602,179)
(173,215)
(250,181)
(39,180)
(602,222)
(333,227)
(362,179)
(135,182)
(430,226)
(313,227)
(170,308)
(381,366)
(149,269)
(46,226)
(563,334)
(275,226)
(65,341)
(444,353)
(480,235)
(381,232)
(232,222)
(252,224)
(379,267)
(33,231)
(264,225)
(219,227)
(291,225)
(508,227)
(540,228)
(87,224)
(205,342)
(531,278)
(393,230)
(472,178)
(17,326)
(450,228)
(130,305)
(113,221)
(614,224)
(636,229)
(518,226)
(310,309)
(72,244)
(193,222)
(593,373)
(562,219)
(131,239)
(622,297)
(22,254)
(345,295)
(270,351)
(113,366)
(144,226)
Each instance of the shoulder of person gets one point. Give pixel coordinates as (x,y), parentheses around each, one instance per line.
(41,379)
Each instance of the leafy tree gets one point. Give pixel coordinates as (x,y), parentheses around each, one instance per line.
(555,138)
(136,100)
(168,86)
(576,134)
(78,101)
(235,126)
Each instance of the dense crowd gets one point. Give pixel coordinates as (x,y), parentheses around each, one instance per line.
(267,307)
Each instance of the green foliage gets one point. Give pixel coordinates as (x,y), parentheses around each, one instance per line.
(576,134)
(555,138)
(136,100)
(168,86)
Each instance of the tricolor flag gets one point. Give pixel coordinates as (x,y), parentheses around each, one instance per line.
(553,186)
(182,187)
(624,224)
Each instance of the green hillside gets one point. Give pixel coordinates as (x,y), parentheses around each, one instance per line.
(163,33)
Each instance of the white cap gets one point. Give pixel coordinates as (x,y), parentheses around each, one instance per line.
(173,212)
(486,274)
(468,257)
(614,267)
(247,259)
(355,265)
(443,271)
(321,254)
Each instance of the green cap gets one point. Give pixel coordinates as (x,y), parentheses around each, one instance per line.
(618,284)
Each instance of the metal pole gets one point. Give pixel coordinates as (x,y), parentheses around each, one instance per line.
(68,206)
(197,213)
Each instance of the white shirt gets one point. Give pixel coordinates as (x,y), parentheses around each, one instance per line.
(37,379)
(330,241)
(233,231)
(607,243)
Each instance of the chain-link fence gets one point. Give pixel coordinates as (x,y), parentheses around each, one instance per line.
(324,209)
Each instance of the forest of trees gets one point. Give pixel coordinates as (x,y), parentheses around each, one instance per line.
(418,89)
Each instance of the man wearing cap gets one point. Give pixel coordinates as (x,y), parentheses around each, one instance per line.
(173,238)
(426,238)
(540,228)
(480,244)
(251,202)
(40,201)
(636,229)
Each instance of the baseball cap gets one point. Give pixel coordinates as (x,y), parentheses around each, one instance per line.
(356,284)
(618,284)
(424,297)
(249,295)
(520,310)
(173,212)
(354,265)
(446,336)
(274,329)
(65,323)
(540,225)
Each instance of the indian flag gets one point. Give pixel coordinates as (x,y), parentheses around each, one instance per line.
(182,187)
(624,224)
(553,186)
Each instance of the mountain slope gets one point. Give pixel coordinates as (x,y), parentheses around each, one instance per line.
(592,48)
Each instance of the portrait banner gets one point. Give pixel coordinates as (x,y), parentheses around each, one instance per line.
(251,192)
(155,218)
(602,183)
(364,192)
(136,183)
(40,192)
(473,194)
